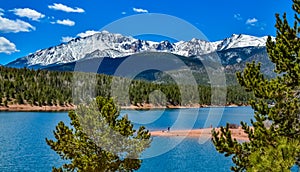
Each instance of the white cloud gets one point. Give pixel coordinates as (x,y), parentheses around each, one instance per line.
(123,13)
(65,8)
(6,46)
(140,10)
(15,26)
(238,16)
(252,21)
(29,13)
(82,34)
(87,33)
(66,39)
(1,12)
(66,22)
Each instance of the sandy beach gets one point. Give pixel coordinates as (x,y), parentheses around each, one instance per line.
(196,133)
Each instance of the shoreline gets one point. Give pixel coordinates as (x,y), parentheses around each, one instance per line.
(150,106)
(237,134)
(29,108)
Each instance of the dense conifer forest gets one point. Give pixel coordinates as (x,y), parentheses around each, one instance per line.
(53,88)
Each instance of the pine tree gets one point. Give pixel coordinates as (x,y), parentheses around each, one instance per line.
(20,99)
(284,92)
(99,140)
(5,103)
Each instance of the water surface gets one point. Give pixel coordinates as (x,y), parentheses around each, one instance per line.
(23,146)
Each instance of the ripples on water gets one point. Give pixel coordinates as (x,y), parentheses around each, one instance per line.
(23,146)
(188,156)
(22,140)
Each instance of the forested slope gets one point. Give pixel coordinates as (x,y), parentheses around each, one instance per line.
(52,88)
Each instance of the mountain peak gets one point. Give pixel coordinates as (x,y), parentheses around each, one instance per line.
(236,35)
(242,40)
(106,44)
(104,32)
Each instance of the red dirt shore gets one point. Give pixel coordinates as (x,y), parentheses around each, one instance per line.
(29,108)
(151,106)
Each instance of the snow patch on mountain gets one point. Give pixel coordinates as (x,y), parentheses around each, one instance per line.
(105,44)
(238,41)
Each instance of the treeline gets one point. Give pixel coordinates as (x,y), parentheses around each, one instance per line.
(52,88)
(34,87)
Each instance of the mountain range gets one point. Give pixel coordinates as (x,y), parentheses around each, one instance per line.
(233,52)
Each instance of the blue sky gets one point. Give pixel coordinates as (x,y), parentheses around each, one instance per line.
(29,25)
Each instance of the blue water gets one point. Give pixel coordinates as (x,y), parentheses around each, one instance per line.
(22,140)
(189,118)
(186,154)
(23,146)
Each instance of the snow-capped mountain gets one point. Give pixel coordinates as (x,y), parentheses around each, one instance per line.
(238,41)
(105,44)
